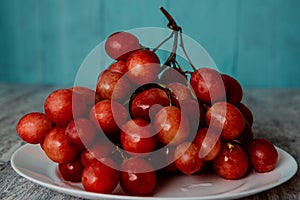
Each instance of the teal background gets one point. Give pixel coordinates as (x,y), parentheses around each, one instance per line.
(45,41)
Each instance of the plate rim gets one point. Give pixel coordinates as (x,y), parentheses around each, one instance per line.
(85,194)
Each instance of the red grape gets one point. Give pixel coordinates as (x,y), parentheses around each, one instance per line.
(209,143)
(61,105)
(112,85)
(231,162)
(172,125)
(208,85)
(246,135)
(57,147)
(137,137)
(33,127)
(171,75)
(246,113)
(109,115)
(119,45)
(234,91)
(100,176)
(72,170)
(180,91)
(263,155)
(162,159)
(227,119)
(100,149)
(119,66)
(137,177)
(195,112)
(169,155)
(81,133)
(141,104)
(88,94)
(187,158)
(143,67)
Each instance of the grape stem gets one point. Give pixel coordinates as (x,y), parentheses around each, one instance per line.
(164,41)
(172,57)
(172,24)
(184,51)
(120,152)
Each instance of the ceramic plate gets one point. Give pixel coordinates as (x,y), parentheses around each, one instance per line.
(31,162)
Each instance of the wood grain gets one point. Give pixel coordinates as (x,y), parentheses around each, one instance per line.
(276,113)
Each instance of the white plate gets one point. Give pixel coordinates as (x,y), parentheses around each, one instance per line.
(31,162)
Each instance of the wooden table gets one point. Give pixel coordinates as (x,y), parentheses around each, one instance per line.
(276,112)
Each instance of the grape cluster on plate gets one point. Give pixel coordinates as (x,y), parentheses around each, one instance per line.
(144,118)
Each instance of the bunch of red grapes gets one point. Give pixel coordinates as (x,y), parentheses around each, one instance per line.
(145,118)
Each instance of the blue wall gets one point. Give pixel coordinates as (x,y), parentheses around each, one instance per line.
(45,41)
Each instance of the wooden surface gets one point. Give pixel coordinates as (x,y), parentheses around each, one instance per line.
(244,37)
(276,111)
